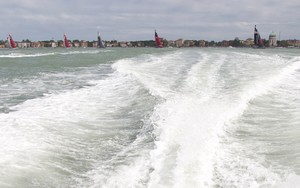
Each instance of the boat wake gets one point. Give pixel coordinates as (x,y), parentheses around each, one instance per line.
(190,126)
(185,118)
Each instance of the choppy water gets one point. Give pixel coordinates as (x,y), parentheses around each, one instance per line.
(150,118)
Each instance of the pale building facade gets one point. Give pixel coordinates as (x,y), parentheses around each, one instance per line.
(272,40)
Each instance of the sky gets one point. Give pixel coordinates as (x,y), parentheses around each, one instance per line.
(131,20)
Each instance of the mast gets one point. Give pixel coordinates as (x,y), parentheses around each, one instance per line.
(157,41)
(66,42)
(100,43)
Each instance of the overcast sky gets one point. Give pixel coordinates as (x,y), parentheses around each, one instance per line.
(128,20)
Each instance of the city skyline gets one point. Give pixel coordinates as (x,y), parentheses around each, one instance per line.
(134,20)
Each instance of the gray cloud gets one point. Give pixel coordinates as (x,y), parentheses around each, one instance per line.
(136,20)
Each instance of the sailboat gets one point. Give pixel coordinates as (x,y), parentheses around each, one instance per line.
(100,43)
(11,42)
(66,42)
(157,41)
(258,43)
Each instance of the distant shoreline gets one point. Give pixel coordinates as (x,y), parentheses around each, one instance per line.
(180,43)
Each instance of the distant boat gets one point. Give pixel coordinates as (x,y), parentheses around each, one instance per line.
(100,42)
(11,42)
(157,41)
(66,42)
(258,43)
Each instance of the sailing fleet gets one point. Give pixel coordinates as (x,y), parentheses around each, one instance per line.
(100,43)
(258,43)
(66,43)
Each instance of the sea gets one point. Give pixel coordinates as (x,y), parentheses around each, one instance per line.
(150,118)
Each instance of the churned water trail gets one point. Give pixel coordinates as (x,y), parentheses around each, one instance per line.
(150,118)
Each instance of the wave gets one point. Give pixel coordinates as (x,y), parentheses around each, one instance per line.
(23,55)
(157,121)
(80,123)
(157,73)
(20,55)
(190,126)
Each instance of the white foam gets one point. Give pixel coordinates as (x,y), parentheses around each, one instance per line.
(20,55)
(292,181)
(23,55)
(159,81)
(61,122)
(189,129)
(187,138)
(265,84)
(190,123)
(134,174)
(83,52)
(240,166)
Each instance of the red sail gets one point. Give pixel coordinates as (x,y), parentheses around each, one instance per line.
(12,42)
(66,42)
(157,41)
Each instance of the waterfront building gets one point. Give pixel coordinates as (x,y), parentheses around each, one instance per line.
(248,42)
(226,43)
(179,43)
(76,44)
(35,45)
(293,43)
(202,43)
(171,43)
(272,40)
(189,43)
(83,44)
(23,44)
